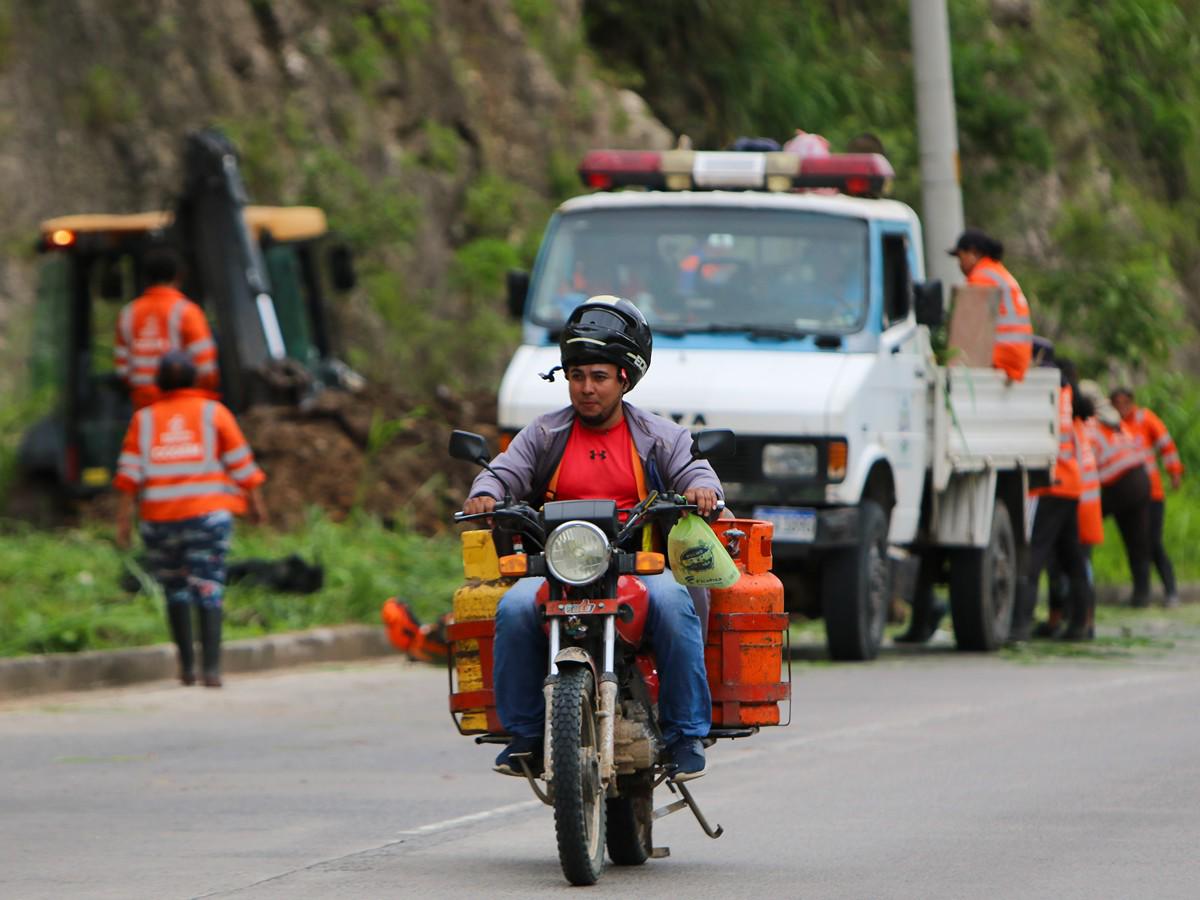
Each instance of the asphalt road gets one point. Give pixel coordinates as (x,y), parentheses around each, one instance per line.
(923,775)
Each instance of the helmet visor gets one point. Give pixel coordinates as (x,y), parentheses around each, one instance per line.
(602,318)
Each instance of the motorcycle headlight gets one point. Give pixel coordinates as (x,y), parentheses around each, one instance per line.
(577,552)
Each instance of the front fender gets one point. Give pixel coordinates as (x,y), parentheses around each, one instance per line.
(576,656)
(849,492)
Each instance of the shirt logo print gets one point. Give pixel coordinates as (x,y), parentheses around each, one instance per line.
(602,454)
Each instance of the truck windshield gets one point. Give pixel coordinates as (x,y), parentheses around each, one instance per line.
(710,269)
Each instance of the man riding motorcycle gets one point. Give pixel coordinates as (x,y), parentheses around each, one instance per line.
(601,447)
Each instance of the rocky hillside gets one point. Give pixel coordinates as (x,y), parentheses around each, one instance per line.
(436,133)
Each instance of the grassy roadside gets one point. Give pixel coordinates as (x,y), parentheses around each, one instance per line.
(61,590)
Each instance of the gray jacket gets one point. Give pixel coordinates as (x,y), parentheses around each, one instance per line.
(664,448)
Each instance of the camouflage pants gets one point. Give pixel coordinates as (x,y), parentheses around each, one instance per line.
(187,557)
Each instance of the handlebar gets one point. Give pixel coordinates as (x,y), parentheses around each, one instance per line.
(653,507)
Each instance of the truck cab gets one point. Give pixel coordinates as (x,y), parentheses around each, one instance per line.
(788,303)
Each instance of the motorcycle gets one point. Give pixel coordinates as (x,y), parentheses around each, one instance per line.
(604,755)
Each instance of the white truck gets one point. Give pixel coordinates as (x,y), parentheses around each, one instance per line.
(797,315)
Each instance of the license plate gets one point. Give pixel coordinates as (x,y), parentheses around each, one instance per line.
(791,523)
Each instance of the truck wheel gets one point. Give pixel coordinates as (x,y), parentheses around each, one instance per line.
(983,587)
(855,590)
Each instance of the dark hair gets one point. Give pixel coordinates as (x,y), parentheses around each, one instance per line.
(1069,373)
(175,371)
(1121,391)
(1083,407)
(161,266)
(981,242)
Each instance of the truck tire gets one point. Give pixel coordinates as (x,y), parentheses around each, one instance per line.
(983,587)
(855,590)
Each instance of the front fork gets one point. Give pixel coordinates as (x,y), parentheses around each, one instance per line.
(606,689)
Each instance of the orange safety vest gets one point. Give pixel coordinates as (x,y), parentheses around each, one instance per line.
(1091,515)
(1066,465)
(185,456)
(1157,443)
(1013,347)
(159,320)
(1117,452)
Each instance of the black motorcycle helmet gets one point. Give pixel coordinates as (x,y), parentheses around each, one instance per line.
(608,329)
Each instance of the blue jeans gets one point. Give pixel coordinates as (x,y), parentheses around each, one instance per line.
(522,650)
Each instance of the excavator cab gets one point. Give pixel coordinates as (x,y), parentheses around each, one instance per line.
(261,274)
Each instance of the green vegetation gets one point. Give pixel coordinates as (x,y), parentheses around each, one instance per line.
(70,596)
(443,148)
(105,99)
(1078,126)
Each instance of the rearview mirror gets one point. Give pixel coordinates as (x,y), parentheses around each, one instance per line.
(929,304)
(469,447)
(714,443)
(341,267)
(517,282)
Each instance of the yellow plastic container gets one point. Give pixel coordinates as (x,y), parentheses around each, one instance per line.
(474,610)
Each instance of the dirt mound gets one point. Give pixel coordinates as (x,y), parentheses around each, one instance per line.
(377,450)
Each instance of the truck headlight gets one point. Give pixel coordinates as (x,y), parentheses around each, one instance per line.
(789,460)
(577,552)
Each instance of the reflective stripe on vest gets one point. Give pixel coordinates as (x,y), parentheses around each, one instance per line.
(190,489)
(1013,325)
(1118,454)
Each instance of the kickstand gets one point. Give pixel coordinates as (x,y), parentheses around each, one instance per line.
(541,795)
(690,803)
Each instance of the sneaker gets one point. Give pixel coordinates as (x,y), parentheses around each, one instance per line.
(1170,601)
(686,758)
(527,748)
(1049,630)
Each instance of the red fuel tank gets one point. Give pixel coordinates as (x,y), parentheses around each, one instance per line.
(746,624)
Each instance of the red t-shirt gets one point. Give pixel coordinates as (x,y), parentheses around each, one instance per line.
(598,465)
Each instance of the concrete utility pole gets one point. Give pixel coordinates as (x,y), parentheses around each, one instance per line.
(937,134)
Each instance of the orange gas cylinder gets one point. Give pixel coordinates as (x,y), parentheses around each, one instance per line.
(746,625)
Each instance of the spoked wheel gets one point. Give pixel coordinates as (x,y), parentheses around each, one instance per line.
(630,819)
(579,807)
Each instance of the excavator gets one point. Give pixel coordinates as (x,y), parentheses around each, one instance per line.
(262,274)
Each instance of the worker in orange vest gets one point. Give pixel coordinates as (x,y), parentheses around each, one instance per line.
(1056,533)
(979,259)
(1159,447)
(162,319)
(187,463)
(1124,487)
(1091,527)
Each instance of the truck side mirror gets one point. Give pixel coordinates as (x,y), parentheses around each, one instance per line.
(928,303)
(518,289)
(341,267)
(714,443)
(469,447)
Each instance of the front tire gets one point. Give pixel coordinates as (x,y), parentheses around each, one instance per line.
(579,807)
(856,590)
(983,587)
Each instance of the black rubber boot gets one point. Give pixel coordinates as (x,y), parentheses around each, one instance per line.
(210,642)
(927,613)
(179,616)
